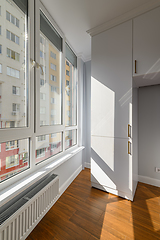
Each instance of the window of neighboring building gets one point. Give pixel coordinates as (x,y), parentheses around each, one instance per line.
(53,89)
(0,68)
(15,107)
(13,55)
(11,36)
(53,100)
(16,90)
(42,82)
(53,78)
(41,138)
(12,161)
(53,66)
(43,96)
(0,49)
(67,72)
(12,19)
(13,72)
(53,55)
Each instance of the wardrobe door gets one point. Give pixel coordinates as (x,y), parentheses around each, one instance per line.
(146,48)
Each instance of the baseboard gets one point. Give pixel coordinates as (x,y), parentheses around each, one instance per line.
(69,181)
(116,192)
(87,165)
(148,180)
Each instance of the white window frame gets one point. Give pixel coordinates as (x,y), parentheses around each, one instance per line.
(34,129)
(11,134)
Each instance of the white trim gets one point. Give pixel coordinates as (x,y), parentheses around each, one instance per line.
(83,58)
(124,17)
(148,180)
(113,191)
(69,181)
(87,165)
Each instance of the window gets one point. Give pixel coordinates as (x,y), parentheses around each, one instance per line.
(15,107)
(42,110)
(53,100)
(53,55)
(12,145)
(13,72)
(67,72)
(52,146)
(16,90)
(41,54)
(41,82)
(41,138)
(71,96)
(12,19)
(53,89)
(53,66)
(53,112)
(53,78)
(12,161)
(13,55)
(11,36)
(0,30)
(43,96)
(26,135)
(70,138)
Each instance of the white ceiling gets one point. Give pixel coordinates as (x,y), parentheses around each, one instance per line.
(75,17)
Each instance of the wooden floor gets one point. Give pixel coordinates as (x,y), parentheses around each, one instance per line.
(83,213)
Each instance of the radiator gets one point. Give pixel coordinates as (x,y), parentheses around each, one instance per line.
(34,205)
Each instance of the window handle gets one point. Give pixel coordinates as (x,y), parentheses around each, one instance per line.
(35,64)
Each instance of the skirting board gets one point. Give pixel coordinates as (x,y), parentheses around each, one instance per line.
(148,180)
(87,165)
(69,181)
(113,191)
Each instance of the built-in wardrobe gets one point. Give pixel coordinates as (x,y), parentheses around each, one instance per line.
(124,58)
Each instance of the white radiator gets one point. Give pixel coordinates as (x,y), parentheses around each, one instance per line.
(19,225)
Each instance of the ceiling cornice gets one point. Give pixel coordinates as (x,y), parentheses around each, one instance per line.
(123,18)
(84,59)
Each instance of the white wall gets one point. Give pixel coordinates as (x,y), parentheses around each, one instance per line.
(68,171)
(149,134)
(87,114)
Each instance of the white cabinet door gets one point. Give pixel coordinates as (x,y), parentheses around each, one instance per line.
(146,44)
(111,83)
(111,165)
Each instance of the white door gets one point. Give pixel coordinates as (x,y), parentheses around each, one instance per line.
(146,44)
(111,165)
(111,83)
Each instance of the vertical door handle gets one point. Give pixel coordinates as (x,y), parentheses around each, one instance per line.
(135,65)
(129,131)
(129,147)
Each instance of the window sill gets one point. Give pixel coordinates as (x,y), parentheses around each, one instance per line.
(13,190)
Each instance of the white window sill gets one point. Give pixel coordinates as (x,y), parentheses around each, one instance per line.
(13,190)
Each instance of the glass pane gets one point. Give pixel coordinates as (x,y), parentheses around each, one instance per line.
(70,95)
(14,69)
(47,146)
(70,138)
(14,157)
(50,77)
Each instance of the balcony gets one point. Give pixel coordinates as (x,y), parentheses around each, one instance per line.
(15,113)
